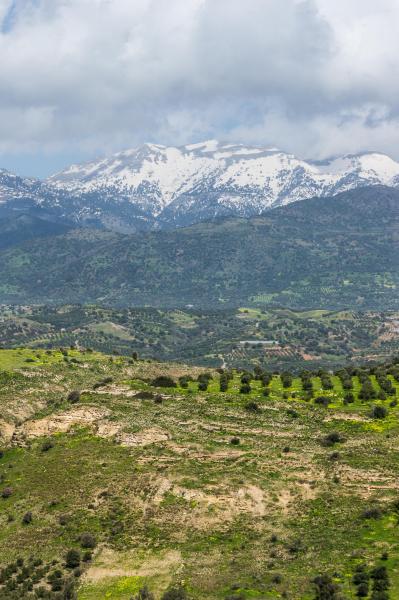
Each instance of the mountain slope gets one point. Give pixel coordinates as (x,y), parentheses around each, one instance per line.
(316,253)
(17,229)
(181,186)
(159,187)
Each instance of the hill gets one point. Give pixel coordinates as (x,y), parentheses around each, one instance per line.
(17,229)
(278,486)
(333,253)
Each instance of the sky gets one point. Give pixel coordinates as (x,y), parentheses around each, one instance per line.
(85,78)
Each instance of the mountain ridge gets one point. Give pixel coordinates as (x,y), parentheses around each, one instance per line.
(312,254)
(162,187)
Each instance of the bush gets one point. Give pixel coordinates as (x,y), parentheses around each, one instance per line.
(164,381)
(87,556)
(73,396)
(374,512)
(47,445)
(27,518)
(326,589)
(175,593)
(144,594)
(323,400)
(235,441)
(88,541)
(362,590)
(7,492)
(72,559)
(252,407)
(245,388)
(144,395)
(332,438)
(349,398)
(379,412)
(286,380)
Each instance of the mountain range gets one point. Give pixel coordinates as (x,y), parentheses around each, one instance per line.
(335,252)
(160,187)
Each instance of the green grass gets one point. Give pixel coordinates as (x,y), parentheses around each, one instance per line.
(264,516)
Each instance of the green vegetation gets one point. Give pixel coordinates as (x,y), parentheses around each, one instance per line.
(196,490)
(302,339)
(312,254)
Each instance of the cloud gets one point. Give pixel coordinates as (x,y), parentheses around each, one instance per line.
(312,76)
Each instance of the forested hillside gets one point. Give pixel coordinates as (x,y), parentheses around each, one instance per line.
(317,253)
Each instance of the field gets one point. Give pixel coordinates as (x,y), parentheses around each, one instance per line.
(305,339)
(230,494)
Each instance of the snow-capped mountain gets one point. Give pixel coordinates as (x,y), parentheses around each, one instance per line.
(156,186)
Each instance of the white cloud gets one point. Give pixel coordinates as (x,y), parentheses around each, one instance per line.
(312,76)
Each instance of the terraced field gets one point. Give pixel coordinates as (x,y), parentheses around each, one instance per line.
(118,474)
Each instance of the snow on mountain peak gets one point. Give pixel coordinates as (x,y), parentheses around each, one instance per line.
(157,185)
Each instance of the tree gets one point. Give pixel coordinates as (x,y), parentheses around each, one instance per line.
(88,541)
(144,594)
(175,593)
(326,589)
(163,381)
(379,412)
(72,559)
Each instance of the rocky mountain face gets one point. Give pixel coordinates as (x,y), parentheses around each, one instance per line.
(158,187)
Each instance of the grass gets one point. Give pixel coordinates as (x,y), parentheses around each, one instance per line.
(261,517)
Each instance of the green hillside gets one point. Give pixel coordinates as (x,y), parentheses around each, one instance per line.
(312,254)
(223,485)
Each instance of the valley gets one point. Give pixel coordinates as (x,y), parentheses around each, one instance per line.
(230,337)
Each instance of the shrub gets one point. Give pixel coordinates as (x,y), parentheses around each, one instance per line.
(203,385)
(374,512)
(323,400)
(144,395)
(326,589)
(72,559)
(252,407)
(88,541)
(73,396)
(47,445)
(175,593)
(245,388)
(349,398)
(235,441)
(362,590)
(332,438)
(286,380)
(144,594)
(7,492)
(87,556)
(27,518)
(379,412)
(163,381)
